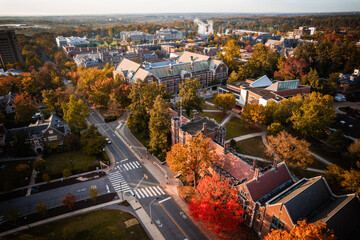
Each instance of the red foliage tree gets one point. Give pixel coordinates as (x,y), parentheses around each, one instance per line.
(292,68)
(69,200)
(215,203)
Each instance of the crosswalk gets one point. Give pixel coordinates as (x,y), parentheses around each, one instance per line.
(122,167)
(149,192)
(119,183)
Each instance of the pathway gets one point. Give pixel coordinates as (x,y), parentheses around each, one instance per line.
(226,120)
(247,136)
(209,103)
(32,182)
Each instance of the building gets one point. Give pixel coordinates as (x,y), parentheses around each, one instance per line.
(137,36)
(349,84)
(7,105)
(89,60)
(168,34)
(204,29)
(71,41)
(188,66)
(168,48)
(9,48)
(312,200)
(263,90)
(40,134)
(211,51)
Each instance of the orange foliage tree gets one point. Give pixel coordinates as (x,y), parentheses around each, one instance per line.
(215,203)
(69,200)
(193,157)
(303,231)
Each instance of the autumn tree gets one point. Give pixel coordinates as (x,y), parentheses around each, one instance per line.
(53,99)
(92,141)
(25,107)
(253,113)
(41,208)
(39,165)
(225,102)
(315,113)
(189,99)
(216,204)
(159,127)
(262,62)
(289,149)
(234,77)
(231,53)
(274,129)
(69,200)
(75,114)
(193,157)
(354,149)
(119,100)
(93,193)
(319,85)
(291,68)
(22,168)
(303,231)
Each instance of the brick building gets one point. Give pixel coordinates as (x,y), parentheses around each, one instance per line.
(171,75)
(263,90)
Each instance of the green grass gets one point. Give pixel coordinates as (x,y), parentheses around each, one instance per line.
(321,150)
(10,178)
(252,146)
(234,128)
(57,162)
(208,107)
(211,100)
(218,116)
(101,224)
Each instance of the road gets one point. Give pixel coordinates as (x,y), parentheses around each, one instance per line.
(128,173)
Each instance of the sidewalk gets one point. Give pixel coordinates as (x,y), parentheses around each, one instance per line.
(226,120)
(32,182)
(247,136)
(162,174)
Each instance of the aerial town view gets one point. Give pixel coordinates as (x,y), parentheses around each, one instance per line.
(180,120)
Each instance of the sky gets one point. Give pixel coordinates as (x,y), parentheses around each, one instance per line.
(87,7)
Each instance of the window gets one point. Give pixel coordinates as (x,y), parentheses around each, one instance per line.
(276,223)
(51,131)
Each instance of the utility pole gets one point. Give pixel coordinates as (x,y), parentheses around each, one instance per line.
(150,209)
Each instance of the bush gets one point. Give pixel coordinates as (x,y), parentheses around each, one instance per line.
(110,118)
(66,173)
(46,177)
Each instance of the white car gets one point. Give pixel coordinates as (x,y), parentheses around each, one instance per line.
(108,140)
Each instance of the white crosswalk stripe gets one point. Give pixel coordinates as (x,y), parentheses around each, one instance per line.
(128,166)
(149,192)
(118,182)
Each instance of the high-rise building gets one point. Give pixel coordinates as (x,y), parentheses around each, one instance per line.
(9,49)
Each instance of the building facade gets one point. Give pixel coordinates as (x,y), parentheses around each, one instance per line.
(168,34)
(9,48)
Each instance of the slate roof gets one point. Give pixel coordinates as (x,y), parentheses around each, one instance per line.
(267,184)
(195,126)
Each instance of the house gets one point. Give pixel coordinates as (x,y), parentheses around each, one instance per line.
(189,65)
(263,90)
(349,84)
(7,105)
(40,134)
(312,200)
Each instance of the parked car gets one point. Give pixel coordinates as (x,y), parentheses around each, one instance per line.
(340,97)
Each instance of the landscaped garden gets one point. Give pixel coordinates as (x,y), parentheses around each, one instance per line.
(101,224)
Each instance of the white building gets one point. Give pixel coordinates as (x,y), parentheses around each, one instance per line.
(137,36)
(70,41)
(204,29)
(168,34)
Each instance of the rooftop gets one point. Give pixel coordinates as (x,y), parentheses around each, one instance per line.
(195,126)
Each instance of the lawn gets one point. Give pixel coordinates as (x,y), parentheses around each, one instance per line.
(234,128)
(218,116)
(208,107)
(101,224)
(321,150)
(211,100)
(57,162)
(10,178)
(252,146)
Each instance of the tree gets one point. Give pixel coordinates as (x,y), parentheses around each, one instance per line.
(66,173)
(274,129)
(315,113)
(189,99)
(318,85)
(53,99)
(195,156)
(292,68)
(75,114)
(225,102)
(216,204)
(93,193)
(69,200)
(234,77)
(159,126)
(262,62)
(39,165)
(303,231)
(253,113)
(231,53)
(336,141)
(22,168)
(24,107)
(46,178)
(289,149)
(41,208)
(92,141)
(351,181)
(12,215)
(354,149)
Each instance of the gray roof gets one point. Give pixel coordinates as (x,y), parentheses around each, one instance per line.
(195,126)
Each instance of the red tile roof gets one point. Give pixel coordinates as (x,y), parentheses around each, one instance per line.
(268,182)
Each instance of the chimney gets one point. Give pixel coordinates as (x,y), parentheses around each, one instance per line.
(256,174)
(196,115)
(275,164)
(204,126)
(253,166)
(226,146)
(171,68)
(192,65)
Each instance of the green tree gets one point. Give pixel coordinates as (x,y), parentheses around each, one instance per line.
(93,193)
(231,53)
(262,62)
(75,114)
(41,208)
(46,178)
(336,141)
(190,100)
(315,113)
(234,77)
(159,127)
(39,165)
(334,176)
(92,141)
(225,102)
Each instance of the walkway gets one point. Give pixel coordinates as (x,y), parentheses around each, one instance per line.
(32,182)
(226,120)
(209,103)
(247,136)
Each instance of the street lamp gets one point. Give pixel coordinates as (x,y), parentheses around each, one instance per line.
(27,223)
(72,167)
(150,209)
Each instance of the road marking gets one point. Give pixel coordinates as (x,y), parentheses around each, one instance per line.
(152,191)
(107,188)
(148,192)
(137,163)
(124,160)
(164,200)
(156,190)
(110,138)
(142,195)
(137,194)
(133,165)
(174,221)
(160,190)
(125,167)
(81,190)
